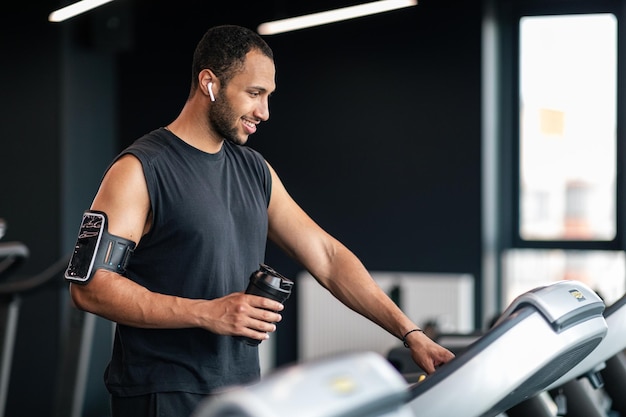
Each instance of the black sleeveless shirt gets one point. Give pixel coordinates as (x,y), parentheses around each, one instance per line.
(208,235)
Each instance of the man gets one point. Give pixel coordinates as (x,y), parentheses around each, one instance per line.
(199,205)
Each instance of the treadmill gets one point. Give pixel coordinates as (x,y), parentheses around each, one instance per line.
(538,338)
(613,343)
(602,368)
(614,376)
(12,255)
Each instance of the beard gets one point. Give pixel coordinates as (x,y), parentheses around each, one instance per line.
(221,117)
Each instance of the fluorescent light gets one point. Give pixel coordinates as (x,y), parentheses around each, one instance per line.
(75,9)
(336,15)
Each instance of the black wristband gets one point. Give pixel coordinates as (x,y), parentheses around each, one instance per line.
(406,345)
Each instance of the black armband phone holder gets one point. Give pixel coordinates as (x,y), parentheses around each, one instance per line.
(97,249)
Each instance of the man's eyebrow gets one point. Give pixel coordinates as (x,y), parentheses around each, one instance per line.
(262,89)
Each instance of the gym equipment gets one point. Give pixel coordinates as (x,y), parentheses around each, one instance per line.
(400,357)
(538,338)
(11,290)
(75,362)
(12,255)
(573,387)
(613,342)
(541,405)
(70,389)
(359,384)
(614,376)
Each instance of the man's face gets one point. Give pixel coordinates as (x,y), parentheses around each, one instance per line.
(243,103)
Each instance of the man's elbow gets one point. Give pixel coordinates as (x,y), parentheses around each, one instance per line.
(79,297)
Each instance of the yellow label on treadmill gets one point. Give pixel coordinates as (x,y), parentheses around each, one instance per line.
(342,385)
(577,295)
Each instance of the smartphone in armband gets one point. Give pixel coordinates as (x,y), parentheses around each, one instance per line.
(95,248)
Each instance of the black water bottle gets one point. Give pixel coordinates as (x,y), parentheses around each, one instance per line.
(268,283)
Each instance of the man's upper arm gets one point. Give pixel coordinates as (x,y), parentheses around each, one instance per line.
(123,196)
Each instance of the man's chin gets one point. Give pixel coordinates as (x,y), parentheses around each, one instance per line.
(237,140)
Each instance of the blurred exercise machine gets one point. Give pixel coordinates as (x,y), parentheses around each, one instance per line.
(77,356)
(12,288)
(360,385)
(578,393)
(538,339)
(614,375)
(12,255)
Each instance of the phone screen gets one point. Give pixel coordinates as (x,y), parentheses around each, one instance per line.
(89,235)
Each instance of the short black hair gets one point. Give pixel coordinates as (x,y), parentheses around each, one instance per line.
(223,50)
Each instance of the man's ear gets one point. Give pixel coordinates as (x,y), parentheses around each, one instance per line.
(208,83)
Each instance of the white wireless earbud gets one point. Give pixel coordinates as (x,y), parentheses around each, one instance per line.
(209,87)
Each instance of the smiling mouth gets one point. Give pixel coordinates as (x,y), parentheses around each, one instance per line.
(249,125)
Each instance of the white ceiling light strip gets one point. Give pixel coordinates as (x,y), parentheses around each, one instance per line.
(336,15)
(75,9)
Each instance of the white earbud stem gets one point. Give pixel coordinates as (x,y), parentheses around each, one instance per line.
(209,87)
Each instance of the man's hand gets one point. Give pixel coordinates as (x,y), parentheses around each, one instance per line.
(240,314)
(427,354)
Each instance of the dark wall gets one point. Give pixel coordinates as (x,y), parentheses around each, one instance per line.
(375,130)
(30,187)
(374,127)
(57,121)
(375,122)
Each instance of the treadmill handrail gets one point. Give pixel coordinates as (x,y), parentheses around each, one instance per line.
(616,306)
(527,376)
(13,249)
(470,351)
(46,276)
(12,254)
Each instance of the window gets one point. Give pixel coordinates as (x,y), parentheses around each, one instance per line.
(565,209)
(567,99)
(602,271)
